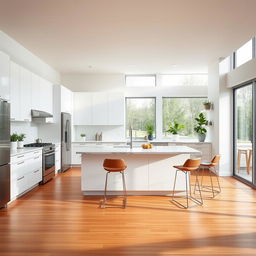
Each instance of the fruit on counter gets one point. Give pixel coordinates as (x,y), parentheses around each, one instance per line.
(147,146)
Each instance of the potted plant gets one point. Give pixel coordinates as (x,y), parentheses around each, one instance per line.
(207,105)
(200,128)
(14,139)
(174,129)
(150,130)
(21,138)
(83,136)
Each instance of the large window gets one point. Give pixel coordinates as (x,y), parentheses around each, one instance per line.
(140,112)
(182,111)
(184,80)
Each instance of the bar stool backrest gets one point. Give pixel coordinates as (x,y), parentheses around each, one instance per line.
(192,163)
(114,165)
(216,160)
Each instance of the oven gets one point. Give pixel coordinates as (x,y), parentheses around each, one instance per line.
(48,163)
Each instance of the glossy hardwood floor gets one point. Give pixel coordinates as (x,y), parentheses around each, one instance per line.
(55,219)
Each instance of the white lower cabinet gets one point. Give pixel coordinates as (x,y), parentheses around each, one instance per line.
(26,172)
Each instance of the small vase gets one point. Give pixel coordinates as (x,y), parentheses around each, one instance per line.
(83,139)
(207,106)
(150,137)
(201,137)
(14,145)
(20,144)
(175,137)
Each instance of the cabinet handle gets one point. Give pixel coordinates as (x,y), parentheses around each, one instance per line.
(36,157)
(20,178)
(36,171)
(20,163)
(36,152)
(20,156)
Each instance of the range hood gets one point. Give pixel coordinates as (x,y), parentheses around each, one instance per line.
(40,114)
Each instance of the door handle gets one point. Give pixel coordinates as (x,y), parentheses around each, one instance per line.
(20,178)
(21,163)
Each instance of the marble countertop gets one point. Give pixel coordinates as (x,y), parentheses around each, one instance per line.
(24,150)
(140,150)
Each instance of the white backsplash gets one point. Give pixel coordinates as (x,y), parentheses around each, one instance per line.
(30,129)
(109,132)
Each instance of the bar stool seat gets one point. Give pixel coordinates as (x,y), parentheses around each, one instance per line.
(189,166)
(211,167)
(113,166)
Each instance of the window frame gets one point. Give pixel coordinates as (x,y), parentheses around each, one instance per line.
(141,75)
(176,97)
(146,97)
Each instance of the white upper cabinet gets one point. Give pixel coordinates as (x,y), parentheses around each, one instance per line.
(15,91)
(25,94)
(46,96)
(116,108)
(28,91)
(36,101)
(82,108)
(66,100)
(100,108)
(4,76)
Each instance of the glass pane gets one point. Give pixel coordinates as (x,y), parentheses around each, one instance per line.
(140,81)
(244,54)
(182,111)
(243,132)
(139,113)
(184,80)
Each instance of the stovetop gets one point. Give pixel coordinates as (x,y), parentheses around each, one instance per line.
(38,145)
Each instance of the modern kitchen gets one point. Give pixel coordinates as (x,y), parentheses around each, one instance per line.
(128,144)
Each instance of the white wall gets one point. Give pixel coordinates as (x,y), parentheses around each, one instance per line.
(30,129)
(242,74)
(109,132)
(221,131)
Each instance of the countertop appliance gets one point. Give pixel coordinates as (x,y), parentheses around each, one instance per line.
(65,141)
(48,160)
(4,153)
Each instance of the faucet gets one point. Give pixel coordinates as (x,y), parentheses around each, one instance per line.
(130,133)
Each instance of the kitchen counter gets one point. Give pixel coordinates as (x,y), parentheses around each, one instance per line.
(139,150)
(144,141)
(149,171)
(24,150)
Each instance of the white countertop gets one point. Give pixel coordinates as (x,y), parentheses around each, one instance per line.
(139,150)
(143,141)
(24,150)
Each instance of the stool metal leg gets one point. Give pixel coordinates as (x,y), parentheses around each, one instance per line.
(124,189)
(103,202)
(188,193)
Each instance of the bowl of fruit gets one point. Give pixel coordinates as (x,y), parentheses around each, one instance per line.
(147,146)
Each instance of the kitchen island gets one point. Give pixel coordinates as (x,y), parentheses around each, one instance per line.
(149,171)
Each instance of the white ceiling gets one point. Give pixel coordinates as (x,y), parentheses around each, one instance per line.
(129,36)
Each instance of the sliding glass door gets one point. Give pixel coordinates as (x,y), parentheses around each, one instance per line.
(243,132)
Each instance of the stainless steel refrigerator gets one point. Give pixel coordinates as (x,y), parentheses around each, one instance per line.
(4,153)
(65,141)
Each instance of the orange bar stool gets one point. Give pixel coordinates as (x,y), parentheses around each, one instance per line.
(211,167)
(189,166)
(114,165)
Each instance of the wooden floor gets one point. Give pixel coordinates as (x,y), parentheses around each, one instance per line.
(55,219)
